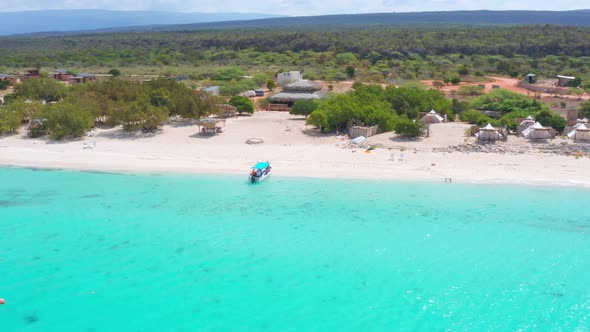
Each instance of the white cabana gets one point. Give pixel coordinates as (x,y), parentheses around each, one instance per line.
(488,133)
(580,133)
(537,131)
(432,117)
(524,124)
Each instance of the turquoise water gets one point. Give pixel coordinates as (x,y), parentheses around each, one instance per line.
(109,252)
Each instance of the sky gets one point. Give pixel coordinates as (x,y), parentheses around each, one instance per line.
(293,7)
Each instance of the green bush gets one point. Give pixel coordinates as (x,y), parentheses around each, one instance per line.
(304,107)
(319,119)
(471,90)
(10,120)
(66,120)
(40,89)
(115,72)
(550,119)
(456,80)
(243,104)
(471,116)
(409,128)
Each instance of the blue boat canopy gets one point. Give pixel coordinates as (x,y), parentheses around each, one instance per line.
(261,165)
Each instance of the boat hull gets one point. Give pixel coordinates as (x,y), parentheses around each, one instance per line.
(259,179)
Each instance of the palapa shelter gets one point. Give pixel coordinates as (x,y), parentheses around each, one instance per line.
(211,126)
(488,134)
(432,117)
(299,90)
(580,133)
(537,131)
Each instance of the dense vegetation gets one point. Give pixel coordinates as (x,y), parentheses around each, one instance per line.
(114,102)
(374,53)
(398,109)
(373,105)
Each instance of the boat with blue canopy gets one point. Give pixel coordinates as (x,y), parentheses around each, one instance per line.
(260,172)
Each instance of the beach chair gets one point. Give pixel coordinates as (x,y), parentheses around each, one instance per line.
(401,156)
(289,126)
(392,156)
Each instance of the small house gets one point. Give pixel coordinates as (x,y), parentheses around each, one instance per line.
(531,78)
(564,80)
(30,73)
(489,134)
(299,90)
(61,75)
(432,117)
(580,133)
(83,78)
(11,79)
(289,77)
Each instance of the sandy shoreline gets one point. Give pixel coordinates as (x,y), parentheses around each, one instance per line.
(293,151)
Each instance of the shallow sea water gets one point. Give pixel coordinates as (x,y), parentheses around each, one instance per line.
(119,252)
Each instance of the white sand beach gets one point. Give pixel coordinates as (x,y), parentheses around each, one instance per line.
(297,151)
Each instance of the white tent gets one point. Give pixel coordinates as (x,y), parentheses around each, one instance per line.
(580,133)
(488,133)
(529,121)
(432,117)
(537,131)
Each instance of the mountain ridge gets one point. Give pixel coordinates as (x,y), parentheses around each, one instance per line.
(55,21)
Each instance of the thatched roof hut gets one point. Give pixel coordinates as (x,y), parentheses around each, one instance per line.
(303,86)
(211,126)
(299,90)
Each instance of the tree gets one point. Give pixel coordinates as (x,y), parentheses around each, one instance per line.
(438,85)
(585,110)
(115,72)
(350,71)
(243,104)
(41,89)
(463,71)
(550,119)
(4,85)
(409,128)
(576,82)
(10,120)
(304,107)
(270,85)
(66,120)
(455,80)
(319,119)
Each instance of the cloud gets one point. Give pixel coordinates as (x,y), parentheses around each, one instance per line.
(292,7)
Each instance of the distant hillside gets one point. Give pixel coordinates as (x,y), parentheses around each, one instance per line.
(78,20)
(482,17)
